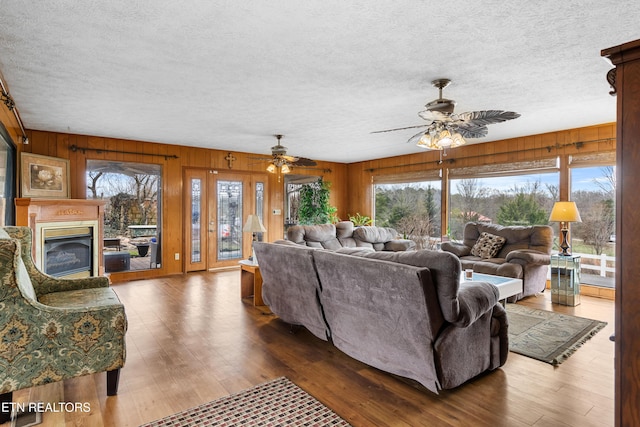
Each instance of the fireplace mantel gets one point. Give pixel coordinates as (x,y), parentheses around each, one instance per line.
(39,214)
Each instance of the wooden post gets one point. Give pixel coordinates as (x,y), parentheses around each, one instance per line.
(626,83)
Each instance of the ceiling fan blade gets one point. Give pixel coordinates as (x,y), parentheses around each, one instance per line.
(472,130)
(408,127)
(432,116)
(487,117)
(303,161)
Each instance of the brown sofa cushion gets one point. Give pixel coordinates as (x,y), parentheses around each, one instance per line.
(488,245)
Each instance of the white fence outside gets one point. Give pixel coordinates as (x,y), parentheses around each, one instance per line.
(601,268)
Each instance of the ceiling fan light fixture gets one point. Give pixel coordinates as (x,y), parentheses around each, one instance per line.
(285,168)
(458,140)
(271,168)
(439,139)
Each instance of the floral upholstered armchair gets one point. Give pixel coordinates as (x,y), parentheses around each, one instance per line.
(54,329)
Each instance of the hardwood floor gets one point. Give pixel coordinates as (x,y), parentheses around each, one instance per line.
(191,340)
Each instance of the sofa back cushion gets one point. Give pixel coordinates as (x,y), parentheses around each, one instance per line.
(344,231)
(373,234)
(445,274)
(314,236)
(290,285)
(384,314)
(537,237)
(373,237)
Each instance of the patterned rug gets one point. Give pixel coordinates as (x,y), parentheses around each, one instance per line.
(548,336)
(278,402)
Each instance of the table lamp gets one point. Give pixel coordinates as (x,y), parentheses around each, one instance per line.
(254,226)
(564,213)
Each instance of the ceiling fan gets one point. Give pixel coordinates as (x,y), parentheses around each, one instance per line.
(445,128)
(280,160)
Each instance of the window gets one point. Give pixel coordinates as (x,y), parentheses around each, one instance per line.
(594,191)
(132,212)
(292,185)
(7,178)
(515,199)
(411,208)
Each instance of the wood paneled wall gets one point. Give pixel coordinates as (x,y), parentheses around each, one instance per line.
(58,145)
(536,147)
(351,185)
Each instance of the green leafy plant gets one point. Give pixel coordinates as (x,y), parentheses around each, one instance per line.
(314,205)
(359,220)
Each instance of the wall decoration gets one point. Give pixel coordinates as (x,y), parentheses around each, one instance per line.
(43,176)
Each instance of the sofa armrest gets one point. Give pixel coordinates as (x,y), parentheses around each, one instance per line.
(458,249)
(528,256)
(475,299)
(399,245)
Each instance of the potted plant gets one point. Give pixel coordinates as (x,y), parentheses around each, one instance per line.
(314,205)
(360,220)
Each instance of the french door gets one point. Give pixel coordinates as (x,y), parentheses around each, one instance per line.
(216,207)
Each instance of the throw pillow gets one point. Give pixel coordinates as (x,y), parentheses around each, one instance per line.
(488,245)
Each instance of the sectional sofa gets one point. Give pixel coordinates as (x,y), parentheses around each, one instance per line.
(345,235)
(405,312)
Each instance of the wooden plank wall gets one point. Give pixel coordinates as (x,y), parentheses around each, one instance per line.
(58,145)
(543,146)
(351,189)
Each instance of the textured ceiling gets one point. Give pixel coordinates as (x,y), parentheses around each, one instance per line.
(325,73)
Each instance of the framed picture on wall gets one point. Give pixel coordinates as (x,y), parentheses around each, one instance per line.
(43,176)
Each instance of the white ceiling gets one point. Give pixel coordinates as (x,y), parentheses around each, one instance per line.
(229,74)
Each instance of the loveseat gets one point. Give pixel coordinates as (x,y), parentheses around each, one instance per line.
(406,312)
(522,252)
(345,234)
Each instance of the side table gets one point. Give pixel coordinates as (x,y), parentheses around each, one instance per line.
(565,279)
(251,281)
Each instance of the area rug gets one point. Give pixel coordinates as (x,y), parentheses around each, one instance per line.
(548,336)
(278,402)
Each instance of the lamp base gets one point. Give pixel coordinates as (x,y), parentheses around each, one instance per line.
(253,258)
(565,245)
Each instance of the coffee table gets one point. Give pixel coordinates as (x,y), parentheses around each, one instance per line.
(507,286)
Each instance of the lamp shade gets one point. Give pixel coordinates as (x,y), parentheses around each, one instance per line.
(565,212)
(253,225)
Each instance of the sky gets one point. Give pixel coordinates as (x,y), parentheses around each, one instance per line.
(581,179)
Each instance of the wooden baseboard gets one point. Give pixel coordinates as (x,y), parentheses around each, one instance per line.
(594,291)
(598,292)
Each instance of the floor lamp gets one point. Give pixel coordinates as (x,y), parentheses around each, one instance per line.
(254,226)
(564,213)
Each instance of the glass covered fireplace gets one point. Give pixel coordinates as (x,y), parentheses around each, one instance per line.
(68,252)
(67,235)
(67,249)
